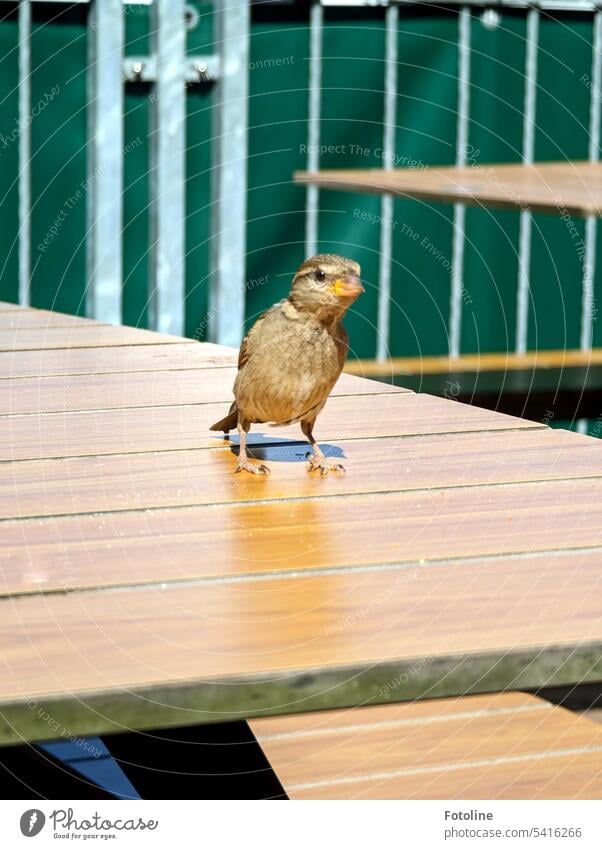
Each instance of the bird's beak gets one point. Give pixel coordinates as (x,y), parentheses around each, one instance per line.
(348,288)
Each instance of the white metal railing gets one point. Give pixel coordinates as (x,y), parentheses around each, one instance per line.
(168,69)
(534,9)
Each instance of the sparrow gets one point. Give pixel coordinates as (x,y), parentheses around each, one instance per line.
(292,357)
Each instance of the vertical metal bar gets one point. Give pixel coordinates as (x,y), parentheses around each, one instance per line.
(459,238)
(386,204)
(167,209)
(588,304)
(228,240)
(24,152)
(105,160)
(589,269)
(530,109)
(316,20)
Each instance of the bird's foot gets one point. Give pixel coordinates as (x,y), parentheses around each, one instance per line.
(254,468)
(314,463)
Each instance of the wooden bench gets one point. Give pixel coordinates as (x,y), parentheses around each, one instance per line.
(542,187)
(499,746)
(538,385)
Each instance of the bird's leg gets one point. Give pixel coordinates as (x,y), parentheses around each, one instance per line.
(317,460)
(243,463)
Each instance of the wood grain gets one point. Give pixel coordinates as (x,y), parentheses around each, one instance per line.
(512,744)
(176,478)
(80,336)
(42,320)
(143,389)
(503,361)
(184,427)
(445,630)
(552,187)
(127,358)
(236,540)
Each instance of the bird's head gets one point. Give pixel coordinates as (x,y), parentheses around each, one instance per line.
(326,285)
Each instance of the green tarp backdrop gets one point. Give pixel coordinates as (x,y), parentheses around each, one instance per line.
(351,129)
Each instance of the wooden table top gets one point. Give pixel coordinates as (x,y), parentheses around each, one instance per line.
(555,187)
(145,584)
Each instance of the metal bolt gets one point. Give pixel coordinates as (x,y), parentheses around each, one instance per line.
(137,68)
(490,19)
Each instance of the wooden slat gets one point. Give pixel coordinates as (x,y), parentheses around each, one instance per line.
(185,427)
(134,358)
(503,361)
(176,478)
(145,656)
(5,306)
(143,389)
(554,187)
(504,741)
(80,336)
(246,539)
(42,320)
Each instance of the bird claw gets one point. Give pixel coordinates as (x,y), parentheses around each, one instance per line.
(254,468)
(314,463)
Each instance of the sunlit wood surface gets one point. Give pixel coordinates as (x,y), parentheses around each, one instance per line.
(559,188)
(145,584)
(500,746)
(502,362)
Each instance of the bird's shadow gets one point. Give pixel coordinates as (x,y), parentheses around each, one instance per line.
(276,449)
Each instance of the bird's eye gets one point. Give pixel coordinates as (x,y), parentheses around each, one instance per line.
(320,275)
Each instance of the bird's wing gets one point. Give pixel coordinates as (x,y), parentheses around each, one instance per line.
(246,346)
(343,344)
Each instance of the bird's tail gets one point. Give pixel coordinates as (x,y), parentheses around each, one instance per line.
(229,422)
